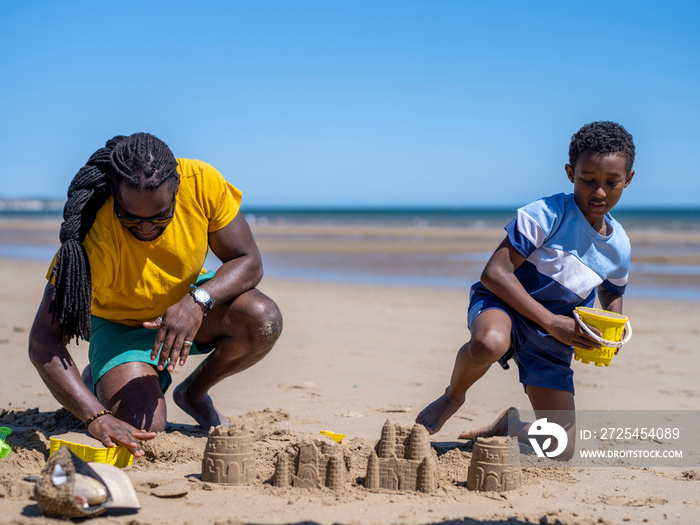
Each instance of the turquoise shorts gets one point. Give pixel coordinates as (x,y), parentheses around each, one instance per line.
(113,344)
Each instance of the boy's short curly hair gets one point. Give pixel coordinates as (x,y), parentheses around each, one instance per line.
(603,137)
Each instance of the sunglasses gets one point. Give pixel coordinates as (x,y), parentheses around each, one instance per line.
(130,222)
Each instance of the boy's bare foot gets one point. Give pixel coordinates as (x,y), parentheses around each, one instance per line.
(436,413)
(498,428)
(202,410)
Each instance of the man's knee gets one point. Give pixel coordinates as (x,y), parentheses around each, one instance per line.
(86,376)
(269,320)
(132,391)
(264,320)
(150,419)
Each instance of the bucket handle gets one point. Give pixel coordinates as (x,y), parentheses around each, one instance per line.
(626,336)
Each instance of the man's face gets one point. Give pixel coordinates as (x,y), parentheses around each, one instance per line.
(598,184)
(145,213)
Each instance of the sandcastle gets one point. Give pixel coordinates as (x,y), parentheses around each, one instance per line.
(311,464)
(495,465)
(229,456)
(403,460)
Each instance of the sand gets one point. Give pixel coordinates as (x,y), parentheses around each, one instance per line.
(351,357)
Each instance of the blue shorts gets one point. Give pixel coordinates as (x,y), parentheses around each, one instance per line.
(542,360)
(113,344)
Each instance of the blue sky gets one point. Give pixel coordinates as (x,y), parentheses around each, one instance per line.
(340,103)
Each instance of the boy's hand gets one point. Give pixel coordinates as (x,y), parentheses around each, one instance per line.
(568,331)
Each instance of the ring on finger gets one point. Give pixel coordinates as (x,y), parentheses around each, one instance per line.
(187,343)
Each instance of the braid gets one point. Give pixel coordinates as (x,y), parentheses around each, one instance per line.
(72,296)
(141,161)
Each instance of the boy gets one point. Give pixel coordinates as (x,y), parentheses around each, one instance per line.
(557,251)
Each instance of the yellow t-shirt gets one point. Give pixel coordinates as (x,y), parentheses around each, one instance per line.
(135,281)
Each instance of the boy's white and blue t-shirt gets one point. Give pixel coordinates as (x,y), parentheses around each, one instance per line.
(566,261)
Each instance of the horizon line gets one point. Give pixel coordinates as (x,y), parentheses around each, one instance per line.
(55,205)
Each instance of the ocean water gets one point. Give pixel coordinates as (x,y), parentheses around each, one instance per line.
(676,219)
(459,271)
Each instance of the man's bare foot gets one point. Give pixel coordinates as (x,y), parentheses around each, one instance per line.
(202,410)
(498,428)
(436,413)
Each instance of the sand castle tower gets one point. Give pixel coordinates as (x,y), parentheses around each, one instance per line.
(372,479)
(311,464)
(335,473)
(495,465)
(387,443)
(229,457)
(403,460)
(427,472)
(418,443)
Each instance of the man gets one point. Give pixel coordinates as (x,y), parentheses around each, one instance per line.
(129,278)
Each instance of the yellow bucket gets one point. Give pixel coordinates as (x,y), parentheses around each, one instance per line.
(118,456)
(615,329)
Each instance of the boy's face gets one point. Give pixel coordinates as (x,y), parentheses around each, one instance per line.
(598,184)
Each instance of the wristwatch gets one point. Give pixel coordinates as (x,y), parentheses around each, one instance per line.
(202,297)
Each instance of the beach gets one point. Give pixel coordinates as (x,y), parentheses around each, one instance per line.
(357,352)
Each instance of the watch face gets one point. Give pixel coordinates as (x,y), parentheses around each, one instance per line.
(202,296)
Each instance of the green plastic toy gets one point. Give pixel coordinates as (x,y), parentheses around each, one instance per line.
(4,447)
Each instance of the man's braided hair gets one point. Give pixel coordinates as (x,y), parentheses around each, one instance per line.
(141,161)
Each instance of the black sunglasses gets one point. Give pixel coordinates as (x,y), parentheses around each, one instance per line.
(130,222)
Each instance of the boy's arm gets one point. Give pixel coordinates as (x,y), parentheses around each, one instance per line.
(499,277)
(609,301)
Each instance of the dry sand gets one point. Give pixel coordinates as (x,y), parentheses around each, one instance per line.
(350,358)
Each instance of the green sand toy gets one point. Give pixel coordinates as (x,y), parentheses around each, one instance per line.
(4,447)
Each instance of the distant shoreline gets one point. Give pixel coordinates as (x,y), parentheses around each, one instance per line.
(665,262)
(52,208)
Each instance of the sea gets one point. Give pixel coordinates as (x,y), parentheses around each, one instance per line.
(676,219)
(657,279)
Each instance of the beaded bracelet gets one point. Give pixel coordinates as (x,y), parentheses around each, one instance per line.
(99,414)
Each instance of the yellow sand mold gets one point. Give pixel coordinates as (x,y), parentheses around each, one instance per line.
(333,435)
(90,449)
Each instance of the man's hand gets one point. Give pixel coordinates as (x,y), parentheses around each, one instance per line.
(569,332)
(177,328)
(112,432)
